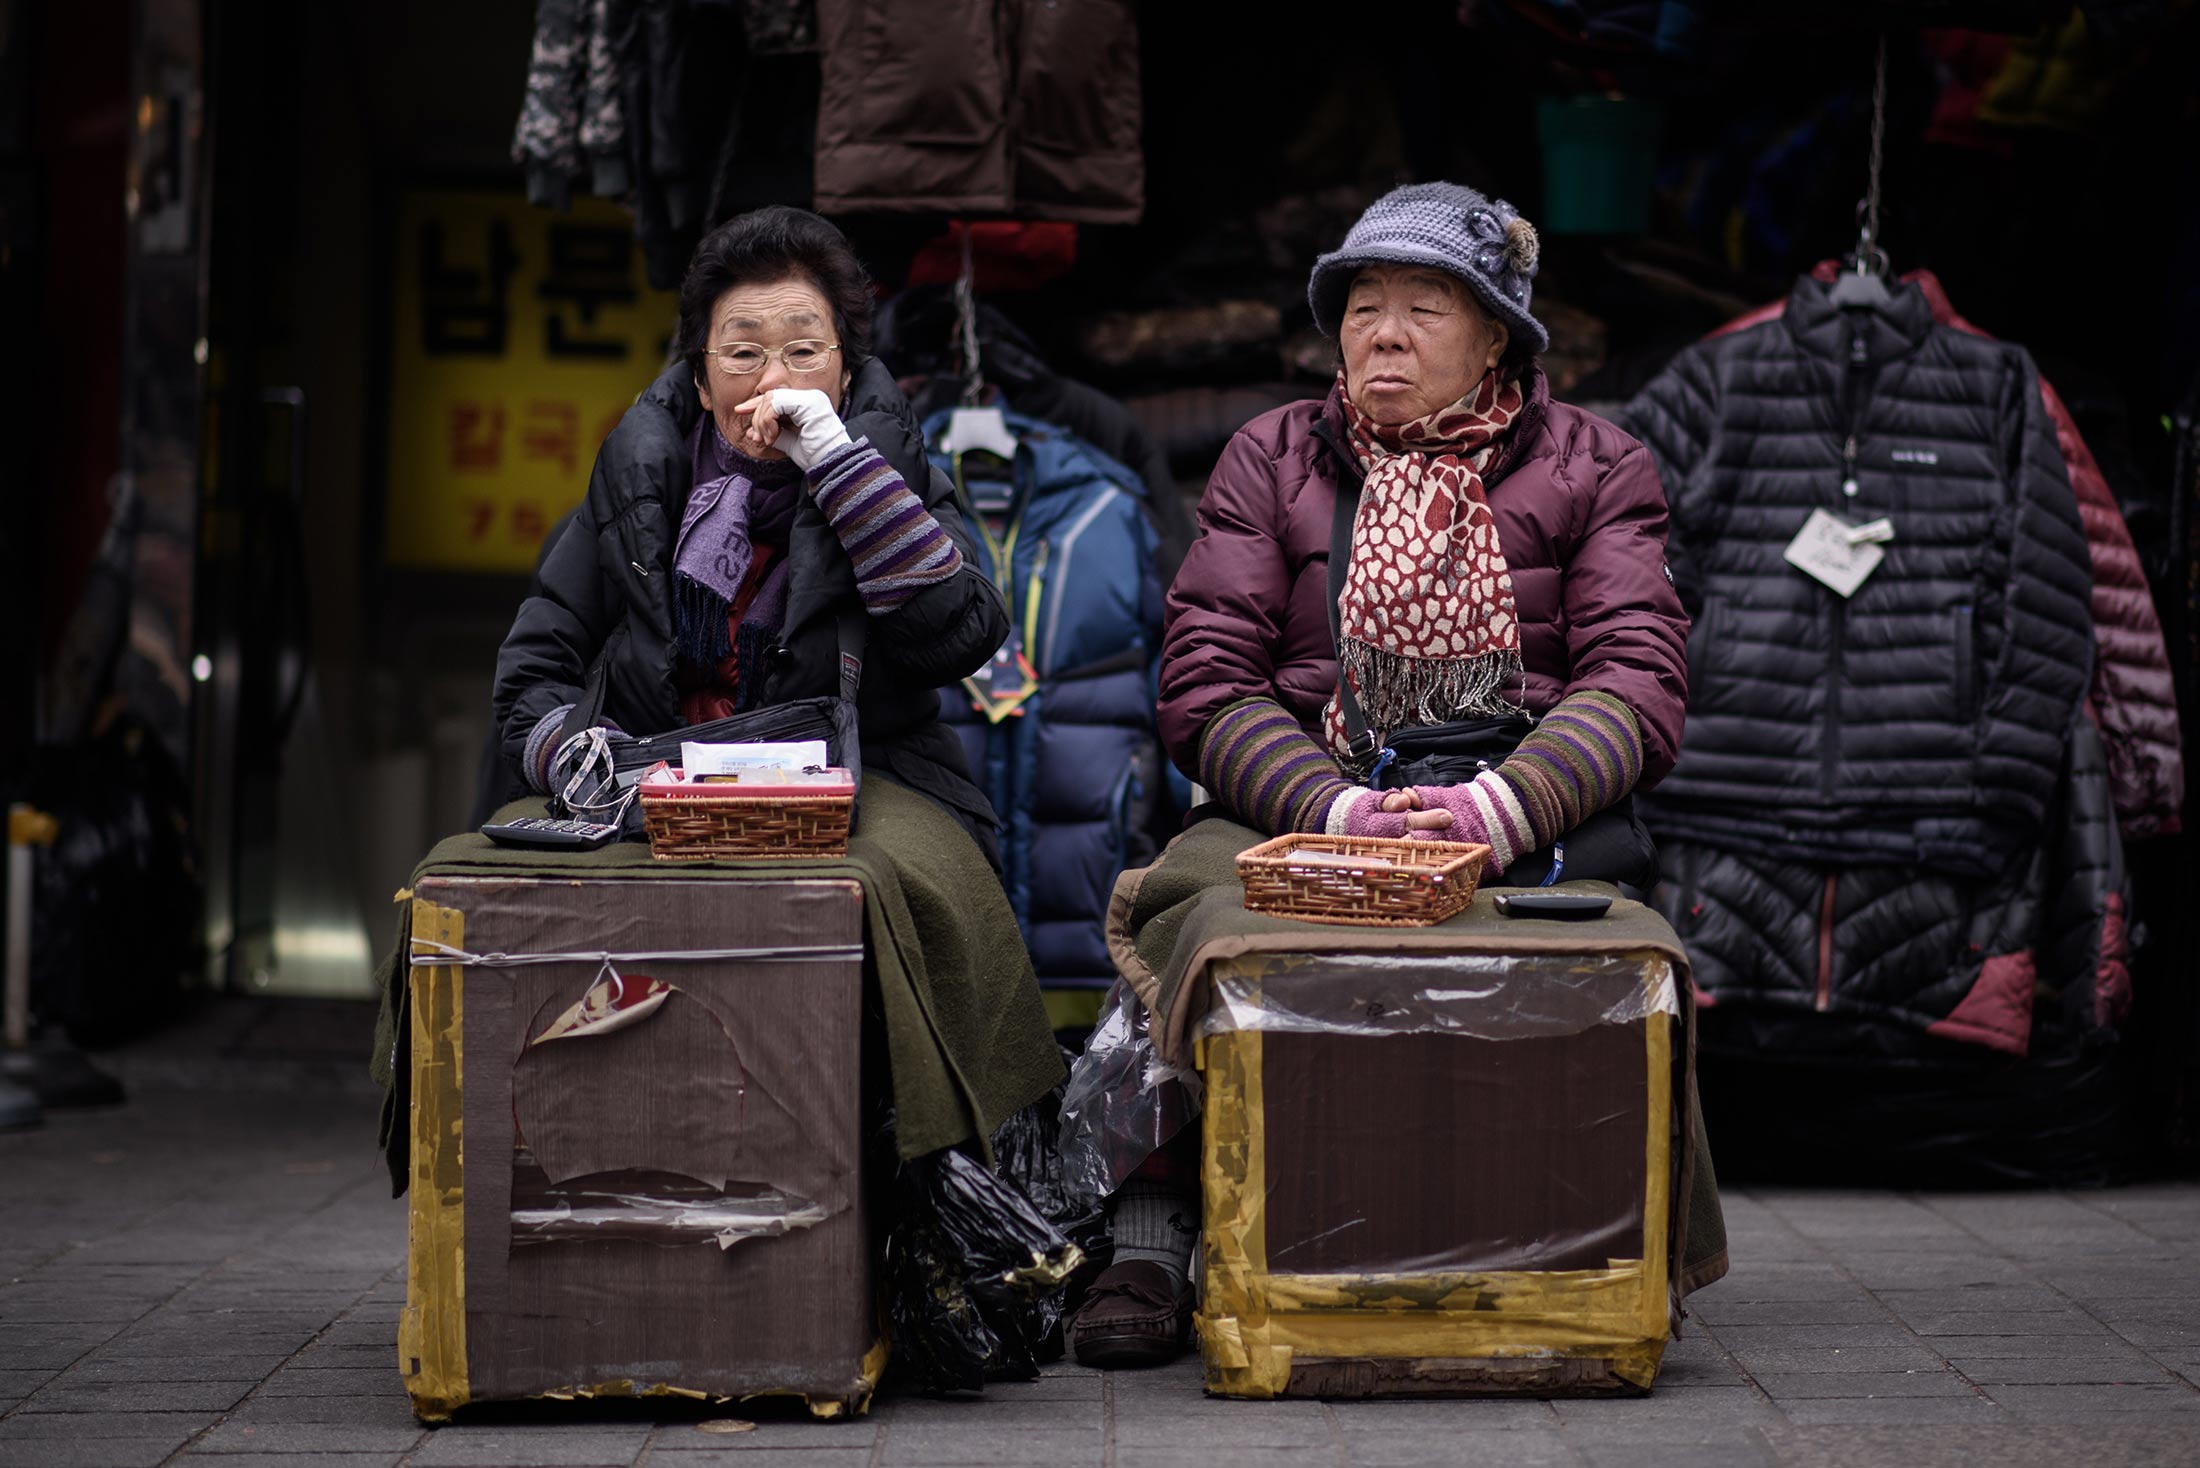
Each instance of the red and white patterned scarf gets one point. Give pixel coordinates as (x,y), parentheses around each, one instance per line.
(1428,629)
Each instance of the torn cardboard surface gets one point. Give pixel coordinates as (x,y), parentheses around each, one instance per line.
(1525,1215)
(612,1003)
(714,1109)
(648,1207)
(576,1244)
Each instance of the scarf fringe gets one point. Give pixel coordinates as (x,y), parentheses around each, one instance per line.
(749,644)
(1401,692)
(699,616)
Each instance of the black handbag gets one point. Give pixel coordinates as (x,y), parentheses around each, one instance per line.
(830,717)
(1611,846)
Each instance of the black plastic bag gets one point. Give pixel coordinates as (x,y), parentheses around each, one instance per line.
(974,1268)
(1028,1152)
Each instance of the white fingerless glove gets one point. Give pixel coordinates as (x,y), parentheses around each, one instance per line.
(817,429)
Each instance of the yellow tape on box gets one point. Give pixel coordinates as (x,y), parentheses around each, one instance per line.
(431,1334)
(1254,1324)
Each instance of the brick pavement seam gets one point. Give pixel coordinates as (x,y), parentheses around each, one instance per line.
(1107,1420)
(193,1282)
(1336,1434)
(2092,1207)
(885,1430)
(1871,1294)
(341,1316)
(1749,1377)
(2080,1306)
(122,1326)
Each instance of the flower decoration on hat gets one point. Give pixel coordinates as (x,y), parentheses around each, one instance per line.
(1522,247)
(1486,234)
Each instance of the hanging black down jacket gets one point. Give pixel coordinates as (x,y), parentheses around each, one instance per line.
(1922,720)
(1793,959)
(604,594)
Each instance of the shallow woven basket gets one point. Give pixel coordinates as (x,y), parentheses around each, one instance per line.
(1428,881)
(711,827)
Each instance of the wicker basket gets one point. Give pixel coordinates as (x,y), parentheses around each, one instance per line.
(704,822)
(1427,882)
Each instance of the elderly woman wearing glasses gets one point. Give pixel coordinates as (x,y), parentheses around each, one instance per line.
(767,481)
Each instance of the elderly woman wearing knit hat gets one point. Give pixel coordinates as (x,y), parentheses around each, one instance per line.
(1433,603)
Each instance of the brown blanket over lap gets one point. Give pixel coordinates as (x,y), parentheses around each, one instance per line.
(1170,923)
(966,1032)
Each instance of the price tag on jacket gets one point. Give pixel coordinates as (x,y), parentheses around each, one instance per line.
(1838,553)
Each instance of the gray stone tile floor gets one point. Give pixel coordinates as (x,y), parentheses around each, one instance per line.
(210,1276)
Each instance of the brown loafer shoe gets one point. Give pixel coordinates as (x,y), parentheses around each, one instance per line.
(1134,1315)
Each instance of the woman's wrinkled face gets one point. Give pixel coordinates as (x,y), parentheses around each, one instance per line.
(1414,341)
(772,317)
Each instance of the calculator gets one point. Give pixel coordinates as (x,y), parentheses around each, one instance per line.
(543,831)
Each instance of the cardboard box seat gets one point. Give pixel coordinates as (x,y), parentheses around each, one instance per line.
(1439,1164)
(643,1177)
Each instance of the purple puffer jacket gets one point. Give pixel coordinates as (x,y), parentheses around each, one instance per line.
(1581,520)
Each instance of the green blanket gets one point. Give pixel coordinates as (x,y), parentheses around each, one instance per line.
(1170,923)
(966,1033)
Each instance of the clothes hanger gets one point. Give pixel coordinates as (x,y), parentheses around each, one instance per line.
(972,427)
(1862,284)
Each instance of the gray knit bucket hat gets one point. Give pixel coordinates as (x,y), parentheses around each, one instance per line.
(1481,240)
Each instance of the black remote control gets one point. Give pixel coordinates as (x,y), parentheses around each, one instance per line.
(1564,906)
(543,831)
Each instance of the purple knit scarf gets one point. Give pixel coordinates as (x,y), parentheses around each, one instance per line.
(736,503)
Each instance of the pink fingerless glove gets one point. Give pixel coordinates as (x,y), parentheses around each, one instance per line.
(1485,809)
(1359,812)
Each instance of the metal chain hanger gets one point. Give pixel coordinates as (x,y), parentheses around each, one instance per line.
(1863,280)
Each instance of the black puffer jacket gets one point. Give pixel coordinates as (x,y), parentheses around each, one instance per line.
(1793,959)
(1923,719)
(605,594)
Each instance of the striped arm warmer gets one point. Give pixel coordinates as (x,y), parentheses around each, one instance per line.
(1583,756)
(1256,760)
(897,547)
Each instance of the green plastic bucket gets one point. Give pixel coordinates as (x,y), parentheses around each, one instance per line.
(1600,158)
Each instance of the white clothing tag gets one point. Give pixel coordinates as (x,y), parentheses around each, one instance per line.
(1875,532)
(1825,548)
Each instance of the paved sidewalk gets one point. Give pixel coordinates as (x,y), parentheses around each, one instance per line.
(212,1277)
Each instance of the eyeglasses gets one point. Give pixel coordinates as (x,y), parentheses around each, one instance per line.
(740,359)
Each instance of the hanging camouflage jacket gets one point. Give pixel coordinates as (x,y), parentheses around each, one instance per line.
(573,114)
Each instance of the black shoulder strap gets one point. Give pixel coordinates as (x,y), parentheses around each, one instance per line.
(1349,482)
(587,711)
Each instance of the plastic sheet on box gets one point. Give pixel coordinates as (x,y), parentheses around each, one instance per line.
(1485,996)
(1123,1101)
(1438,1172)
(645,1218)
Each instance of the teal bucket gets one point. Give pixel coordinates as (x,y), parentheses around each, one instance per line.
(1600,159)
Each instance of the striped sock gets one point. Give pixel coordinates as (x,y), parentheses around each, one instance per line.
(1156,1222)
(1256,760)
(1584,755)
(897,547)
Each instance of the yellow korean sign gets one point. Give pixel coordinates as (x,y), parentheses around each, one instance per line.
(520,338)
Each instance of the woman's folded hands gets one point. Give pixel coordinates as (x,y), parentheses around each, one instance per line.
(1433,813)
